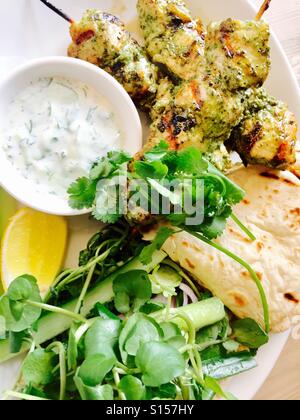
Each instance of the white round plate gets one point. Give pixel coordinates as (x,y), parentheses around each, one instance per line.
(30,30)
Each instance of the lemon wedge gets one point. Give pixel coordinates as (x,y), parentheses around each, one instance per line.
(33,243)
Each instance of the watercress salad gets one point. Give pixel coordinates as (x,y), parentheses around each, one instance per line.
(193,180)
(121,328)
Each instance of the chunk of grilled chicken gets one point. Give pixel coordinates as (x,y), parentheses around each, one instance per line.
(173,39)
(267,134)
(234,53)
(238,53)
(102,39)
(196,113)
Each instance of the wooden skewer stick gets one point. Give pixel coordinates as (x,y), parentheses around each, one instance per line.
(58,11)
(263,9)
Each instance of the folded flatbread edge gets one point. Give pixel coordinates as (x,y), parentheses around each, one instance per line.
(271,210)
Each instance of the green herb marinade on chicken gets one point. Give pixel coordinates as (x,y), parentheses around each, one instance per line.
(195,113)
(238,53)
(173,39)
(207,101)
(101,39)
(267,134)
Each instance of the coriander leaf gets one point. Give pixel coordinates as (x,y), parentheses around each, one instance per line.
(162,235)
(249,333)
(102,337)
(132,289)
(175,198)
(82,193)
(190,161)
(106,166)
(95,368)
(154,170)
(214,229)
(38,368)
(97,393)
(159,363)
(119,158)
(234,193)
(101,169)
(177,219)
(132,388)
(108,205)
(158,152)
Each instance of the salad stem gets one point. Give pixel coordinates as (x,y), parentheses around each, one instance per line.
(127,370)
(247,266)
(56,309)
(243,227)
(62,366)
(85,288)
(198,372)
(186,348)
(117,382)
(199,362)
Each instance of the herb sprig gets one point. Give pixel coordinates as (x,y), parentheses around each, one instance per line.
(160,165)
(193,178)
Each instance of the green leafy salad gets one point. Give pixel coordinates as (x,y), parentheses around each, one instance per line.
(129,323)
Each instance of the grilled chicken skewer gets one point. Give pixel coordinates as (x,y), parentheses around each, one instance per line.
(236,58)
(173,39)
(234,53)
(201,111)
(101,39)
(206,106)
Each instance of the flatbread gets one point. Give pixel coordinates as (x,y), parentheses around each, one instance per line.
(271,211)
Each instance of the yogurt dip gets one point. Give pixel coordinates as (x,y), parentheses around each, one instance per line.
(55,129)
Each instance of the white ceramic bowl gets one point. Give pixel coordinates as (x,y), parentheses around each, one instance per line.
(10,179)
